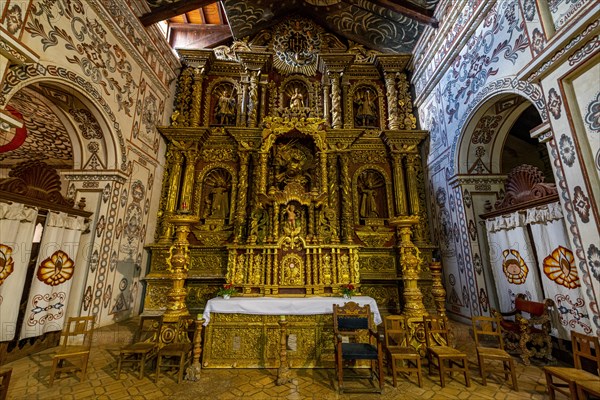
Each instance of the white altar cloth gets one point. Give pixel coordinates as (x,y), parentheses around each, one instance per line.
(284,306)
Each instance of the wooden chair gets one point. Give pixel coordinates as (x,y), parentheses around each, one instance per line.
(488,328)
(144,346)
(355,323)
(527,328)
(436,329)
(584,347)
(76,341)
(4,381)
(587,388)
(397,344)
(178,353)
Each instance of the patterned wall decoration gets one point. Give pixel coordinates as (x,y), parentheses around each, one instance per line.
(47,138)
(104,64)
(13,20)
(481,58)
(563,10)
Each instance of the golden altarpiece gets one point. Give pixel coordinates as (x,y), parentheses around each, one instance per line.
(294,164)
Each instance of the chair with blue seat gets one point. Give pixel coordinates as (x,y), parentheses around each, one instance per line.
(357,339)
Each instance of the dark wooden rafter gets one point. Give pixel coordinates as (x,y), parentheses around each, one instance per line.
(172,10)
(410,10)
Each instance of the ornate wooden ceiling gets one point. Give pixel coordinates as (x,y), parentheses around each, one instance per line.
(391,26)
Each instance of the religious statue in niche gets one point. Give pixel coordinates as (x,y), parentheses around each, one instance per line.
(293,163)
(371,189)
(365,107)
(225,109)
(296,100)
(292,217)
(216,202)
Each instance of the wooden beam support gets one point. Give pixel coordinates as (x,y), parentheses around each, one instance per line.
(171,10)
(410,10)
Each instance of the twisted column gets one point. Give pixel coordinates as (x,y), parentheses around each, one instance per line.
(196,97)
(336,100)
(399,186)
(253,100)
(392,100)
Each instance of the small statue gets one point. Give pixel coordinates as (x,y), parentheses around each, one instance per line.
(226,108)
(365,114)
(296,100)
(368,186)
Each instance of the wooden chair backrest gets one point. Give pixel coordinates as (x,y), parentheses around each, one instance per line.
(396,331)
(487,328)
(435,327)
(586,347)
(78,330)
(149,329)
(351,317)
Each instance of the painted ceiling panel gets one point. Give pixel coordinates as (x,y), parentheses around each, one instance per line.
(47,139)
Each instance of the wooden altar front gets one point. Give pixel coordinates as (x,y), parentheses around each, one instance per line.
(246,332)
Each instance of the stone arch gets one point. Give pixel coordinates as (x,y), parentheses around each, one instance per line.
(79,87)
(492,94)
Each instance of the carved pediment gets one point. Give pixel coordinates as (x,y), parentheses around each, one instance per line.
(524,185)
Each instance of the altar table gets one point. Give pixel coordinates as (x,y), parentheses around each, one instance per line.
(284,306)
(245,332)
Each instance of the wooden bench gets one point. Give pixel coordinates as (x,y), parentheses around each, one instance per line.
(530,334)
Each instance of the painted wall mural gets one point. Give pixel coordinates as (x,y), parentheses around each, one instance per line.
(491,49)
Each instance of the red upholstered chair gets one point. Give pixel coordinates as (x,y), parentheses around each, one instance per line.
(526,328)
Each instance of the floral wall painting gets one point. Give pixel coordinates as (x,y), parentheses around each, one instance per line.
(56,269)
(560,268)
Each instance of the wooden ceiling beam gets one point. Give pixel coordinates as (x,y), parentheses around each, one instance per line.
(171,10)
(410,10)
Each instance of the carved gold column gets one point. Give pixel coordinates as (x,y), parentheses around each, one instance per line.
(333,192)
(253,99)
(193,371)
(178,264)
(413,186)
(399,186)
(323,165)
(242,195)
(262,188)
(283,373)
(392,100)
(197,97)
(336,100)
(180,116)
(346,200)
(437,289)
(263,97)
(243,113)
(410,261)
(191,155)
(326,97)
(175,158)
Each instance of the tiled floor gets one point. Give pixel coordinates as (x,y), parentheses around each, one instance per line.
(30,380)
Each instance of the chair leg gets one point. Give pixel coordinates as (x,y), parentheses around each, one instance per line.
(419,373)
(513,374)
(394,379)
(466,373)
(380,372)
(482,371)
(181,365)
(119,366)
(441,365)
(158,358)
(550,386)
(84,363)
(142,364)
(53,371)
